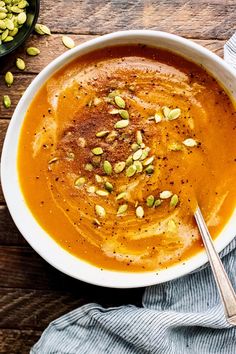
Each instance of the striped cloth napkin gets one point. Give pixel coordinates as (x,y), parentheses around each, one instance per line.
(182,316)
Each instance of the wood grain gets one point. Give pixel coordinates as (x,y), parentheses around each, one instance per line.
(9,234)
(13,341)
(212,19)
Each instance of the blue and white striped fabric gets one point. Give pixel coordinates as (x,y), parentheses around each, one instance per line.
(183,316)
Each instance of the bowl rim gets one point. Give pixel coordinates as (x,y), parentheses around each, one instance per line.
(27,33)
(76,267)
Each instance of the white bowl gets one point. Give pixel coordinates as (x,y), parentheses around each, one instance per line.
(42,243)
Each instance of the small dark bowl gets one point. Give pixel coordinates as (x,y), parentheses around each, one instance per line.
(25,30)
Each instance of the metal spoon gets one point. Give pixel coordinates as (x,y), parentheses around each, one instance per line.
(224,285)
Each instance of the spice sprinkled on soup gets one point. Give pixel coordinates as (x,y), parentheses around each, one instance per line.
(118,147)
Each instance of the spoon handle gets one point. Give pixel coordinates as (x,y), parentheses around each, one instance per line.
(225,288)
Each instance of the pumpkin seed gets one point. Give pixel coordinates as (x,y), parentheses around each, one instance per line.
(171,226)
(32,51)
(121,195)
(2,25)
(190,142)
(102,133)
(97,151)
(91,189)
(139,166)
(131,170)
(4,35)
(114,111)
(42,29)
(139,137)
(16,9)
(124,114)
(6,101)
(129,161)
(157,118)
(9,24)
(9,39)
(135,146)
(150,169)
(108,186)
(68,42)
(150,201)
(139,212)
(13,32)
(166,110)
(100,211)
(2,15)
(119,102)
(148,161)
(137,154)
(157,203)
(114,93)
(122,209)
(174,114)
(166,194)
(174,201)
(79,181)
(175,147)
(121,124)
(22,4)
(102,193)
(20,64)
(88,167)
(111,136)
(145,153)
(98,179)
(107,167)
(21,18)
(119,167)
(9,78)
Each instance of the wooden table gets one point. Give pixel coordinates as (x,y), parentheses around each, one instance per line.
(32,293)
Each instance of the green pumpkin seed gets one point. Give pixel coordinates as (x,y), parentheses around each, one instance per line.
(114,111)
(124,114)
(68,42)
(157,118)
(107,167)
(6,101)
(119,167)
(175,147)
(100,211)
(174,201)
(20,64)
(114,93)
(79,181)
(4,35)
(32,51)
(148,161)
(139,212)
(145,153)
(16,9)
(9,24)
(42,29)
(21,18)
(9,78)
(190,142)
(2,25)
(102,193)
(129,161)
(108,186)
(13,32)
(111,136)
(150,201)
(119,102)
(122,209)
(9,39)
(157,203)
(102,133)
(2,15)
(149,170)
(121,124)
(139,166)
(166,194)
(91,189)
(166,110)
(137,154)
(22,4)
(131,170)
(139,137)
(88,167)
(97,151)
(174,114)
(171,226)
(121,195)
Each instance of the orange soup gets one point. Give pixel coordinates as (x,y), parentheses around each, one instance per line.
(116,150)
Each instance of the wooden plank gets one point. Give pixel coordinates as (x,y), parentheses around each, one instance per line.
(14,341)
(212,19)
(50,48)
(35,309)
(9,234)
